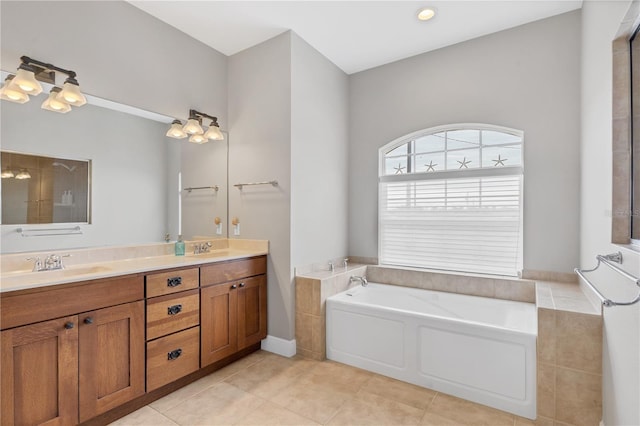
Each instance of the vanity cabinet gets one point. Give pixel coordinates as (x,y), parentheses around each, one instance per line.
(71,352)
(173,332)
(233,307)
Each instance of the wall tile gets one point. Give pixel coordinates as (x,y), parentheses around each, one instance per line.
(546,390)
(546,336)
(579,341)
(522,291)
(303,331)
(578,397)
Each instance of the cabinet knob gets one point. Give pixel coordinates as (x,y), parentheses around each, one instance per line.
(174,310)
(174,354)
(241,284)
(88,320)
(233,287)
(69,325)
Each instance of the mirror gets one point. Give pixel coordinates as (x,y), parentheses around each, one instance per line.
(38,189)
(133,170)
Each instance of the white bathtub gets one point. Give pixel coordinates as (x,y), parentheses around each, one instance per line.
(476,348)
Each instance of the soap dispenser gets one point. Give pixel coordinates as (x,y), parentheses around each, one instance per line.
(179,246)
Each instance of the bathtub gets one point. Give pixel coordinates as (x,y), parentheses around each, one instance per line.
(475,348)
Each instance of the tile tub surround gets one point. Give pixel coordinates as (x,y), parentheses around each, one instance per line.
(569,330)
(312,291)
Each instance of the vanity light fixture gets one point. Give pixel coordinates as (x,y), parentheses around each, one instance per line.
(12,93)
(426,13)
(6,173)
(25,82)
(23,174)
(193,128)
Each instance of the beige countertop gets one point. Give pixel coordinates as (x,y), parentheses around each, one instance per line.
(21,279)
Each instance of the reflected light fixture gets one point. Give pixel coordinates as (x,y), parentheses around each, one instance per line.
(426,13)
(26,82)
(6,173)
(12,93)
(23,174)
(53,104)
(193,128)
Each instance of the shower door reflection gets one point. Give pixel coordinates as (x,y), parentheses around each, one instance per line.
(38,189)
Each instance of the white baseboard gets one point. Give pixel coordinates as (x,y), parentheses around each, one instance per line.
(601,423)
(279,346)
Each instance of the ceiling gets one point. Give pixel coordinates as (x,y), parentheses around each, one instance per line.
(354,35)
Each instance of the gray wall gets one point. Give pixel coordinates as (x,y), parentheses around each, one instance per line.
(524,78)
(260,125)
(621,357)
(319,149)
(119,52)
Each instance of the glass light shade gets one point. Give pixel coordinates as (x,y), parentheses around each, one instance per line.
(198,138)
(192,127)
(10,92)
(23,174)
(52,103)
(26,81)
(7,173)
(214,133)
(426,13)
(71,94)
(176,131)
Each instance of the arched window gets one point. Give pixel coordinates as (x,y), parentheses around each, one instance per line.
(450,198)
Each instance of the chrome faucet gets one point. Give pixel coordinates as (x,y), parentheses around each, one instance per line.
(363,280)
(345,263)
(201,248)
(332,267)
(50,263)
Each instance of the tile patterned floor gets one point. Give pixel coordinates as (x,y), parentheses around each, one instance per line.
(267,389)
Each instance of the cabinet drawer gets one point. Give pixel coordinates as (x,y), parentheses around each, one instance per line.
(171,282)
(171,313)
(172,357)
(233,270)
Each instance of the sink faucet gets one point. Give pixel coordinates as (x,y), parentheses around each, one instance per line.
(345,263)
(363,280)
(50,263)
(331,267)
(201,248)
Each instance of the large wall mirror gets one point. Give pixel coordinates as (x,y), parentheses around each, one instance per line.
(135,178)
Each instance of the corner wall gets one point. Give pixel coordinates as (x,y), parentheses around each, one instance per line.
(526,78)
(621,346)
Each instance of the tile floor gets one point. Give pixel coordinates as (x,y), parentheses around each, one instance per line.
(267,389)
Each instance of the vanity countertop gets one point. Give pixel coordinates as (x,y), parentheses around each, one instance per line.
(25,279)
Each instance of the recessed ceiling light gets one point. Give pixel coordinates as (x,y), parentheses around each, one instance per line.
(426,13)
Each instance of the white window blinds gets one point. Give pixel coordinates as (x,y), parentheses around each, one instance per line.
(456,220)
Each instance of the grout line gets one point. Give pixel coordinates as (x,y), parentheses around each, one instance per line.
(163,415)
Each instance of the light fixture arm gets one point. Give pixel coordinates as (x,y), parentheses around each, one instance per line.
(199,115)
(47,67)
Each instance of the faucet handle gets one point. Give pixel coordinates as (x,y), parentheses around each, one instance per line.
(345,262)
(37,265)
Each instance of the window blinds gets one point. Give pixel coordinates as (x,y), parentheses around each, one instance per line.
(468,224)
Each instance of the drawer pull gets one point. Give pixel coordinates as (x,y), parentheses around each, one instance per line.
(69,325)
(88,320)
(241,284)
(174,354)
(174,310)
(174,282)
(233,287)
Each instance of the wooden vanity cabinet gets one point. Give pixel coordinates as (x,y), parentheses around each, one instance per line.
(233,307)
(86,361)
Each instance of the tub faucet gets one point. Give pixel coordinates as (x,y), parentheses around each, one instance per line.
(363,280)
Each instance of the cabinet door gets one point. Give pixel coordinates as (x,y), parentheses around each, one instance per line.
(218,322)
(252,311)
(39,369)
(111,357)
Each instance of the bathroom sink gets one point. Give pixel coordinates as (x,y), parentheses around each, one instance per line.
(214,253)
(67,272)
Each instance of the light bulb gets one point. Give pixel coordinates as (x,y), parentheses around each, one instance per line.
(23,174)
(192,127)
(426,13)
(198,138)
(71,93)
(13,93)
(176,131)
(52,103)
(25,79)
(214,132)
(7,173)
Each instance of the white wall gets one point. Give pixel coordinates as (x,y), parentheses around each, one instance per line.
(621,357)
(524,78)
(319,150)
(260,127)
(129,201)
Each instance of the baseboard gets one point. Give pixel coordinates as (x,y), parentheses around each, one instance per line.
(601,423)
(279,346)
